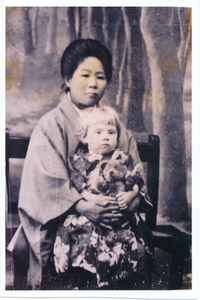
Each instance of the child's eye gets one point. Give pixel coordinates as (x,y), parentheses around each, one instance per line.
(112,132)
(99,132)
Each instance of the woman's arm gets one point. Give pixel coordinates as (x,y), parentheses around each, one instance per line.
(99,208)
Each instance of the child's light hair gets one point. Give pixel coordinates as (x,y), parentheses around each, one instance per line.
(99,115)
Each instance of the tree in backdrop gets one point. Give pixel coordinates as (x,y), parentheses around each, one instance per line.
(168,44)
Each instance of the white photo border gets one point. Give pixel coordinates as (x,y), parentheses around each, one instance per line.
(104,295)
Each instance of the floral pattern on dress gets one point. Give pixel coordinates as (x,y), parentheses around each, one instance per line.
(110,254)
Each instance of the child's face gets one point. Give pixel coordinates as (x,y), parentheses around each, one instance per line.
(101,138)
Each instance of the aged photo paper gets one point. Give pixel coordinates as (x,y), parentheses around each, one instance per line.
(99,189)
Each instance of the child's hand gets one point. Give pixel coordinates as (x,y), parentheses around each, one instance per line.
(124,199)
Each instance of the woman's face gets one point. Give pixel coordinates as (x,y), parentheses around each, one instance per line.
(88,83)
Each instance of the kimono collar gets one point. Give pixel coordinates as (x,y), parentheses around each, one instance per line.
(75,107)
(74,118)
(71,114)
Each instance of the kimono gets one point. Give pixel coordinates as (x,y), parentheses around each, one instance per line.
(47,195)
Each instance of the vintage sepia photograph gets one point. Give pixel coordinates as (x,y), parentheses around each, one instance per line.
(98,148)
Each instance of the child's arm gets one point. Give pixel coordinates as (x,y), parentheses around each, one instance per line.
(124,199)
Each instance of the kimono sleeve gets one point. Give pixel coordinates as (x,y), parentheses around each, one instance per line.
(46,189)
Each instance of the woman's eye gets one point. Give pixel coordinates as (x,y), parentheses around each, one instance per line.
(101,77)
(85,75)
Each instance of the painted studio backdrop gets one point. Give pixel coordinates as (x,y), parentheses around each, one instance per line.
(150,89)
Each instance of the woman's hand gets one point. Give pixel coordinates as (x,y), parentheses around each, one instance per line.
(99,209)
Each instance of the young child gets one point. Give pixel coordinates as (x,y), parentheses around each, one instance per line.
(111,252)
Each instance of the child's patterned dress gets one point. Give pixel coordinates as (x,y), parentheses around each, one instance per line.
(110,254)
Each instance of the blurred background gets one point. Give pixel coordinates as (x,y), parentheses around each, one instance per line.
(150,89)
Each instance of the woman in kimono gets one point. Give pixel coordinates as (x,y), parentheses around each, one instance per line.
(47,195)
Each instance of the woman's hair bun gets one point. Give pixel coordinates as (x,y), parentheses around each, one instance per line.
(80,49)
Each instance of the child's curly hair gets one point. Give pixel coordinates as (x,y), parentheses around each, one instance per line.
(99,115)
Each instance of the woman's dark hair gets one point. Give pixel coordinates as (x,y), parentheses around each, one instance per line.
(80,49)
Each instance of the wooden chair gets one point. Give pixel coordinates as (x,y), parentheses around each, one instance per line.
(165,237)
